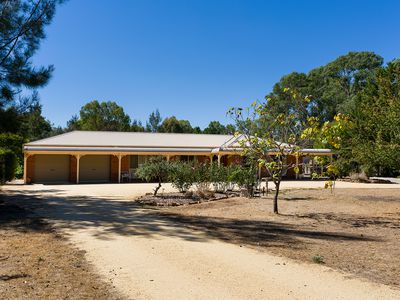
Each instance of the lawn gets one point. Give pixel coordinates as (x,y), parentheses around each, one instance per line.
(353,230)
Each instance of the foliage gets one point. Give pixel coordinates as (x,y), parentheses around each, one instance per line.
(103,116)
(34,126)
(8,164)
(375,136)
(221,177)
(268,138)
(21,31)
(173,125)
(155,169)
(215,127)
(137,126)
(333,87)
(318,259)
(244,176)
(12,142)
(202,177)
(182,175)
(154,122)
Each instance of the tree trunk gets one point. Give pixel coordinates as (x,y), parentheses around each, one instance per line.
(277,185)
(157,188)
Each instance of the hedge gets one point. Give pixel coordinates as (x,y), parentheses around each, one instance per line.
(8,164)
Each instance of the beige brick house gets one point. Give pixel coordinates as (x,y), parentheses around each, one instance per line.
(94,156)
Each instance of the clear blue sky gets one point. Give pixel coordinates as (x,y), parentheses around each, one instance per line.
(195,59)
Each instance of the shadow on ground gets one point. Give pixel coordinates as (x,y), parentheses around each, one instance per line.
(108,218)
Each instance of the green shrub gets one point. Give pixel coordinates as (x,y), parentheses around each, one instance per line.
(202,177)
(14,142)
(155,169)
(182,175)
(318,259)
(8,164)
(219,176)
(244,177)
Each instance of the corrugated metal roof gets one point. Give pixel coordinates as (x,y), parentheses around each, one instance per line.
(143,142)
(133,139)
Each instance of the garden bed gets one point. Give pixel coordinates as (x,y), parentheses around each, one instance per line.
(366,180)
(177,199)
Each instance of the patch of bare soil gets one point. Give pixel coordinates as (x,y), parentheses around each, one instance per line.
(353,230)
(37,263)
(177,199)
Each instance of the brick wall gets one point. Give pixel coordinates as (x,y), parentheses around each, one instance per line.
(72,168)
(125,164)
(114,168)
(30,169)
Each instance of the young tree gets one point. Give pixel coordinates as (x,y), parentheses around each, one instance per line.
(154,122)
(270,139)
(155,169)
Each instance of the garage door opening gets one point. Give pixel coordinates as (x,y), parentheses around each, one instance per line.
(94,169)
(51,168)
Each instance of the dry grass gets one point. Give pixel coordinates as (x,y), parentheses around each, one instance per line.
(37,263)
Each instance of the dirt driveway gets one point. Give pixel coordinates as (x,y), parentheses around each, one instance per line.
(147,255)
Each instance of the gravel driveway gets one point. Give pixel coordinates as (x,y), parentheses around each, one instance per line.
(148,256)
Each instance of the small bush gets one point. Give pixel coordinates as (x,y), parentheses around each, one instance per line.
(318,259)
(244,177)
(181,176)
(202,177)
(219,176)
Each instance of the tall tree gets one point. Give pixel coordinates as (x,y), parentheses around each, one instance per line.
(73,124)
(154,122)
(173,125)
(335,85)
(332,87)
(103,116)
(215,127)
(21,31)
(374,139)
(22,24)
(137,126)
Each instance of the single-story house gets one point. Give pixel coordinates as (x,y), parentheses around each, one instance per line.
(103,156)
